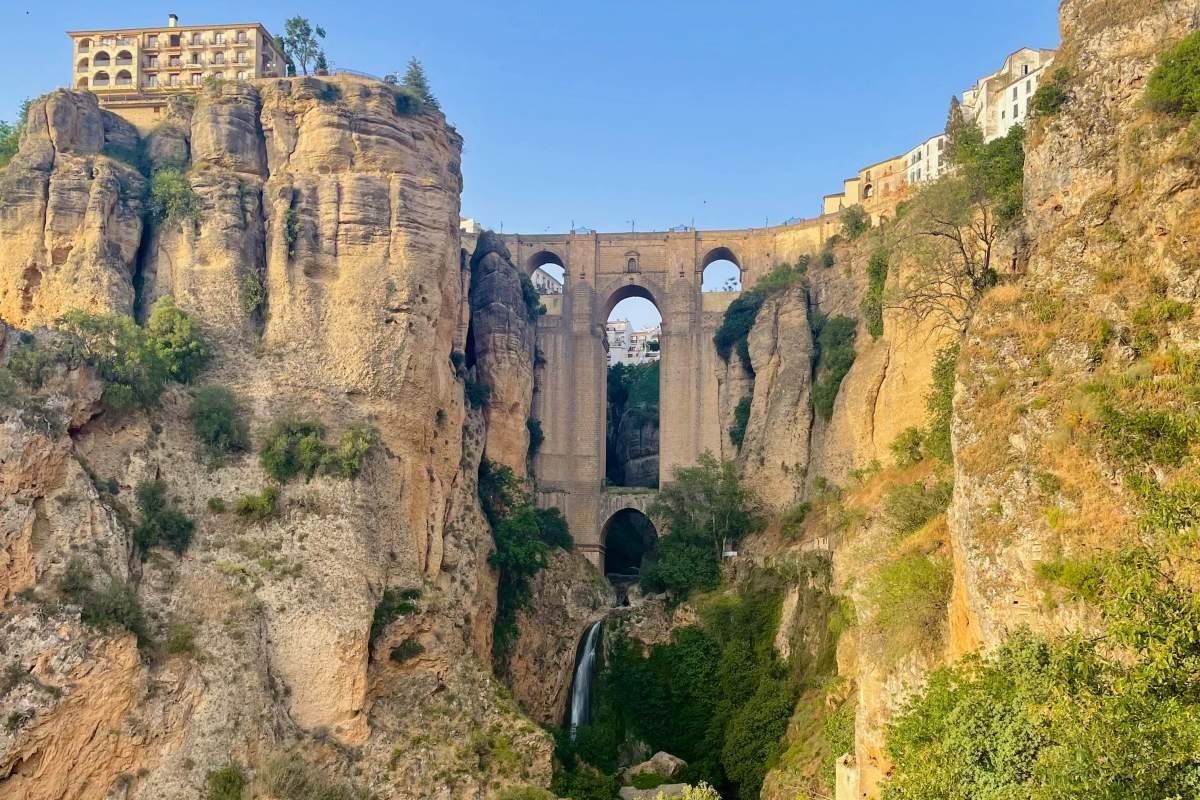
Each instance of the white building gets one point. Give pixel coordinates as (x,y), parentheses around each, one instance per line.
(629,346)
(1001,100)
(469,225)
(927,161)
(545,283)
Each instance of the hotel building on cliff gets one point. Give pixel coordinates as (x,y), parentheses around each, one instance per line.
(134,71)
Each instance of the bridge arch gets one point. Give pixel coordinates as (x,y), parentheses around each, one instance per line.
(626,538)
(542,258)
(719,254)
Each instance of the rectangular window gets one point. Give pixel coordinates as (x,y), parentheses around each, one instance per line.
(196,38)
(195,79)
(218,38)
(1016,111)
(152,40)
(1014,93)
(241,76)
(241,37)
(941,145)
(1029,86)
(173,80)
(195,58)
(152,62)
(152,80)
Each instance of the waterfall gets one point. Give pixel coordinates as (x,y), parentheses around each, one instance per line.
(581,685)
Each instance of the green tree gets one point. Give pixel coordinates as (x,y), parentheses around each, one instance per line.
(10,135)
(301,43)
(703,510)
(855,222)
(416,80)
(1174,85)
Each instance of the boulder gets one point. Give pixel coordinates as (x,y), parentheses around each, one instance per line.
(661,763)
(666,790)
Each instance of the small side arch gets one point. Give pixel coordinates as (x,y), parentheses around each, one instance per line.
(627,537)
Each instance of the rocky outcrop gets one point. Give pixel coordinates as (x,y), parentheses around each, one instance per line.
(71,213)
(635,447)
(565,599)
(502,339)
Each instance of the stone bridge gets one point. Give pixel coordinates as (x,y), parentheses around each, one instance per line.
(666,268)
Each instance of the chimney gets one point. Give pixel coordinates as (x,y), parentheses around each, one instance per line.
(172,20)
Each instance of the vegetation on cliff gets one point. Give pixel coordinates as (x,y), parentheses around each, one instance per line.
(705,510)
(743,311)
(1174,85)
(523,536)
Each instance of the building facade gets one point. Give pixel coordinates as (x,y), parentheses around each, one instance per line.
(927,161)
(545,283)
(1000,100)
(628,345)
(133,71)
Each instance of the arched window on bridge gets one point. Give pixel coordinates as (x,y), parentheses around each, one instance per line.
(547,272)
(634,336)
(721,271)
(628,537)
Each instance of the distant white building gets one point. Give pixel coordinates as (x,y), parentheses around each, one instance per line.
(927,161)
(545,283)
(1001,100)
(469,225)
(629,346)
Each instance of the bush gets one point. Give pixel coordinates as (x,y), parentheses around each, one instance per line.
(1174,85)
(289,777)
(791,523)
(161,524)
(910,595)
(10,135)
(533,301)
(907,508)
(113,607)
(939,404)
(217,420)
(908,447)
(1051,95)
(835,355)
(172,198)
(406,650)
(181,640)
(741,418)
(253,294)
(872,303)
(293,446)
(258,507)
(855,222)
(226,783)
(175,338)
(348,458)
(1140,436)
(291,230)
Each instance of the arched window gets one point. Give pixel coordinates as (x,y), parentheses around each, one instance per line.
(124,78)
(82,66)
(868,191)
(82,83)
(85,45)
(101,79)
(124,59)
(631,262)
(101,59)
(721,271)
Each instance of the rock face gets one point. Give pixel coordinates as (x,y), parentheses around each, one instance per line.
(322,262)
(635,448)
(502,335)
(565,599)
(71,215)
(661,764)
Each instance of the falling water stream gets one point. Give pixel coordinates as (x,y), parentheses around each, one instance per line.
(581,684)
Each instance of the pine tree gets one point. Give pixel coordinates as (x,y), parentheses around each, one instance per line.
(414,78)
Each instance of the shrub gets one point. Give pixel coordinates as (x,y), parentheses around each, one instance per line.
(828,259)
(176,338)
(394,603)
(741,418)
(113,606)
(872,303)
(225,783)
(1174,85)
(855,222)
(906,508)
(161,524)
(253,294)
(525,793)
(293,446)
(181,640)
(289,777)
(835,355)
(533,301)
(791,523)
(10,135)
(741,314)
(291,230)
(910,595)
(1051,95)
(908,447)
(258,507)
(406,650)
(217,420)
(536,437)
(1140,436)
(348,458)
(939,404)
(172,198)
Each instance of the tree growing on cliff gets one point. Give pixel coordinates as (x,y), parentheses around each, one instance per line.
(10,135)
(416,80)
(301,44)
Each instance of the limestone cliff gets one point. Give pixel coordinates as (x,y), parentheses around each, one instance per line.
(320,255)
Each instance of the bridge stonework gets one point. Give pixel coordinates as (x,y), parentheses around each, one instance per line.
(667,268)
